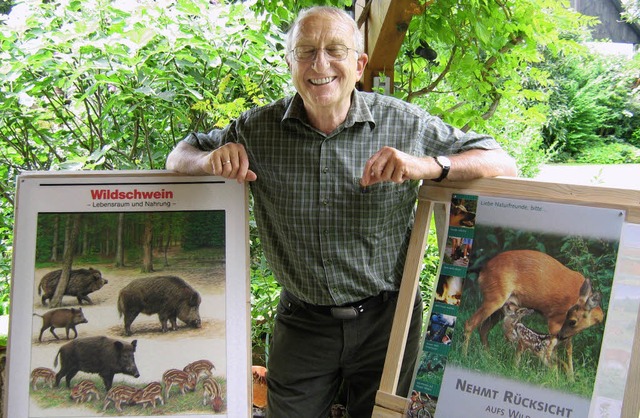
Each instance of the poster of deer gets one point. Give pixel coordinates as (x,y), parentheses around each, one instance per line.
(517,328)
(130,296)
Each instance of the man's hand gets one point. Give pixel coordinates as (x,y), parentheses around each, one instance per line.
(229,161)
(389,164)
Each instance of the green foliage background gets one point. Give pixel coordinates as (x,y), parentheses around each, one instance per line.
(115,85)
(108,85)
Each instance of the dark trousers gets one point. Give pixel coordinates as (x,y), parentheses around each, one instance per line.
(313,356)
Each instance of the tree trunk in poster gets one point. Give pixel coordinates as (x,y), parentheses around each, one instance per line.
(70,236)
(54,244)
(147,246)
(119,241)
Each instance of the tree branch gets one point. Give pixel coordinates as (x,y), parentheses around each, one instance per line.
(434,84)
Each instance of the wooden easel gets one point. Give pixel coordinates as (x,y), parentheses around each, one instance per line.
(434,200)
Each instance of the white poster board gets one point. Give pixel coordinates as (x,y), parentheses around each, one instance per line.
(191,236)
(582,243)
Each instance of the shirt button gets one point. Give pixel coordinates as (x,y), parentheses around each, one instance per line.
(325,202)
(325,170)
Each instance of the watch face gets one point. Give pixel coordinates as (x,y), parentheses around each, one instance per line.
(443,161)
(445,164)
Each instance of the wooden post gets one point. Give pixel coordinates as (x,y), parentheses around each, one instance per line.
(384,25)
(388,404)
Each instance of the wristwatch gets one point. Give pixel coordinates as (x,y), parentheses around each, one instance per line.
(445,164)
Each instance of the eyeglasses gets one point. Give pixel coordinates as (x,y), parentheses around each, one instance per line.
(332,52)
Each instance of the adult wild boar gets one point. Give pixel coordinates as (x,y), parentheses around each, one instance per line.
(102,355)
(81,283)
(168,296)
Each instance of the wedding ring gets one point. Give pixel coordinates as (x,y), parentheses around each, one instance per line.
(226,162)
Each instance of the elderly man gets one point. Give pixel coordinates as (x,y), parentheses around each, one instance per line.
(334,173)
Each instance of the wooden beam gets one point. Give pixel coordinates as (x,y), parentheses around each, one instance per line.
(384,28)
(390,406)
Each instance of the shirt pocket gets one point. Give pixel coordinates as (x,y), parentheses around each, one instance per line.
(377,197)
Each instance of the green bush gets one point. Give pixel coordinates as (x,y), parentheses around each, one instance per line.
(610,153)
(593,106)
(114,85)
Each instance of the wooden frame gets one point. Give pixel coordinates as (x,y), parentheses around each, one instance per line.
(435,201)
(220,332)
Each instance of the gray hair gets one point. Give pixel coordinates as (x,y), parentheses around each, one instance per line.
(358,39)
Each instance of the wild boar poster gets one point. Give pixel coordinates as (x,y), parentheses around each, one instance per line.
(130,296)
(520,310)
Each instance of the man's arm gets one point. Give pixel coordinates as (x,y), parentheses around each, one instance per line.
(229,161)
(479,163)
(389,164)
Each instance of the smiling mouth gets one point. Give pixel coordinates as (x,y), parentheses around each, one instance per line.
(321,81)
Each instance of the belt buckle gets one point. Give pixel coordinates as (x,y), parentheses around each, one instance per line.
(344,312)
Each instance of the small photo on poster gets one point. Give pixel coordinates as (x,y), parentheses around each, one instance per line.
(440,329)
(457,250)
(463,211)
(449,290)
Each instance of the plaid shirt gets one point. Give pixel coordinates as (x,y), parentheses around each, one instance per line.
(328,240)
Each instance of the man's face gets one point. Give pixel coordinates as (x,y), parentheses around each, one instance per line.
(325,84)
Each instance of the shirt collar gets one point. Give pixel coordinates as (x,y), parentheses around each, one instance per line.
(358,113)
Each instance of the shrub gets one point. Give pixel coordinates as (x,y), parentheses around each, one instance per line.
(593,104)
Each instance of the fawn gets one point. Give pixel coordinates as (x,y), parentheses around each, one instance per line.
(542,345)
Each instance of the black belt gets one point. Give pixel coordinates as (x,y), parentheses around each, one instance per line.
(348,311)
